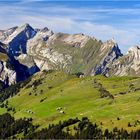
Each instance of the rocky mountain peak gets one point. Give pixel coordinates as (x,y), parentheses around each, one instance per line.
(45,29)
(134,53)
(111,52)
(134,49)
(128,64)
(24,29)
(26,25)
(113,48)
(5,33)
(77,40)
(18,39)
(111,43)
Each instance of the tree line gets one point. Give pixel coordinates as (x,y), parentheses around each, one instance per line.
(10,128)
(83,129)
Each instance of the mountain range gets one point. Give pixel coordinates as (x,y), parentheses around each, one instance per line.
(26,50)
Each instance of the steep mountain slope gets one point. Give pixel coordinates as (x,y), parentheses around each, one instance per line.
(54,96)
(6,33)
(2,47)
(7,73)
(128,64)
(72,53)
(16,50)
(18,39)
(113,54)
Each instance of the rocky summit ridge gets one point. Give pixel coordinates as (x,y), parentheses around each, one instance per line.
(25,50)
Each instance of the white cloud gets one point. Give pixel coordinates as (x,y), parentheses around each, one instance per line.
(73,20)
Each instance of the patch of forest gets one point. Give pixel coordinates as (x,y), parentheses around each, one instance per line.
(83,129)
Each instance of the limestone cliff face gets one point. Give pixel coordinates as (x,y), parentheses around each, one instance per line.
(72,53)
(112,53)
(18,39)
(42,52)
(7,74)
(4,34)
(128,64)
(13,45)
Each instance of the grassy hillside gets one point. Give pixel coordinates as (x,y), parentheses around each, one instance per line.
(49,98)
(3,56)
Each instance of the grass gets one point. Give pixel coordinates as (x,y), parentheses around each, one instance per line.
(3,57)
(79,97)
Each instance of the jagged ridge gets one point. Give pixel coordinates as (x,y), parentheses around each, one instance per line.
(31,50)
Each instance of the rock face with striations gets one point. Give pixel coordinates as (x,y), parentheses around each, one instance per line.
(71,53)
(128,64)
(7,74)
(28,50)
(112,54)
(18,39)
(6,33)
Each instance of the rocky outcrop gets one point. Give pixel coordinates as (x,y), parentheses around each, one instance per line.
(7,75)
(128,64)
(77,40)
(112,54)
(17,52)
(2,49)
(18,39)
(4,34)
(46,57)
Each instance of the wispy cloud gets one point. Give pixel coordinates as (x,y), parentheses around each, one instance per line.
(101,22)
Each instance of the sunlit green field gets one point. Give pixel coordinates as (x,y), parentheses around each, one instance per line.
(79,97)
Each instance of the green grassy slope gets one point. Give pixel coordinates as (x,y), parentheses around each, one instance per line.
(82,58)
(79,97)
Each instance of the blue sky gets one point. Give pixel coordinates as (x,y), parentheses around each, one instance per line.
(104,19)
